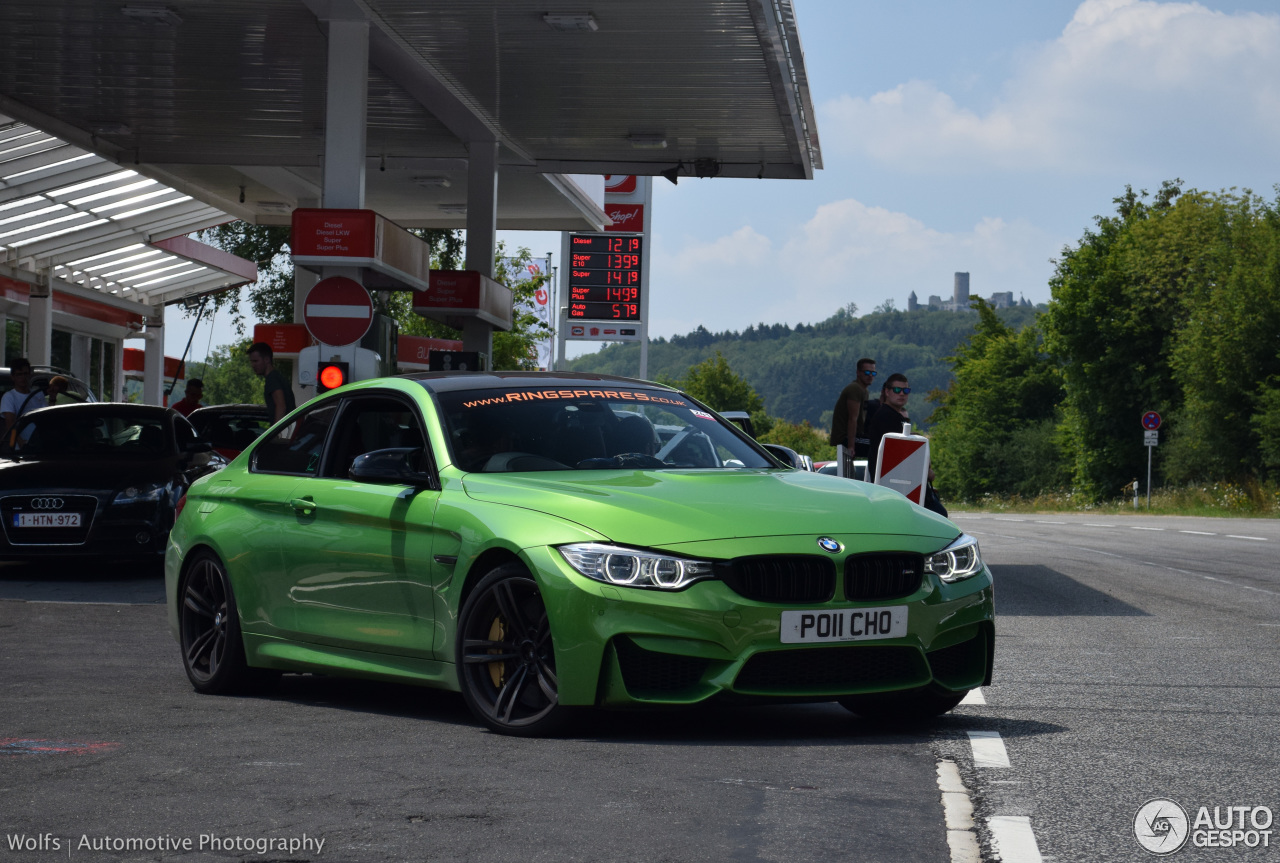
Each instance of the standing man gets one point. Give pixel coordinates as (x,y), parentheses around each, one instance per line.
(276,392)
(847,418)
(20,400)
(866,376)
(190,397)
(889,418)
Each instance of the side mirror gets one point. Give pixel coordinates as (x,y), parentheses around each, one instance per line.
(394,466)
(786,455)
(196,446)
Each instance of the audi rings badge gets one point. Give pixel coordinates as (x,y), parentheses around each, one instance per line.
(46,503)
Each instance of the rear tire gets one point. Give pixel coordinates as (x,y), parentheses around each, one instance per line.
(916,705)
(209,628)
(506,658)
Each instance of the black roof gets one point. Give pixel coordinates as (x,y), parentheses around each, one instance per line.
(453,381)
(109,409)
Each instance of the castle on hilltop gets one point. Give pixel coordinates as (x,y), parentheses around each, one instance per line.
(959,301)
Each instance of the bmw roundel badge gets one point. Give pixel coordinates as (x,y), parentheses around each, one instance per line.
(826,543)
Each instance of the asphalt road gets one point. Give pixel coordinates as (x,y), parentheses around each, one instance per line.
(1136,659)
(1131,664)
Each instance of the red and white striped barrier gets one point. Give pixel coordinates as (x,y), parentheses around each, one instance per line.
(903,465)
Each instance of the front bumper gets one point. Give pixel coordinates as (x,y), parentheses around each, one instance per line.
(108,530)
(620,647)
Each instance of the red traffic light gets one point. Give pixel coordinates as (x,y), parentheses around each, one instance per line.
(332,376)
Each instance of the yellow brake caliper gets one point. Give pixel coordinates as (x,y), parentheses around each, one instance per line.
(497,670)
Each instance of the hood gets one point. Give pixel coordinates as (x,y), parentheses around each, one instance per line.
(82,474)
(658,508)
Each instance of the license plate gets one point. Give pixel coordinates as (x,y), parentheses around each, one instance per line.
(843,624)
(46,519)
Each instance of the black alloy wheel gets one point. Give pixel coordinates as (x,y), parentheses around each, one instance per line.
(506,658)
(209,628)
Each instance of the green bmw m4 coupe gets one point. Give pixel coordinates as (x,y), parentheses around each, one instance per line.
(548,542)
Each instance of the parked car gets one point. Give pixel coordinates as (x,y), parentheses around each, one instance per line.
(230,428)
(77,390)
(829,468)
(101,479)
(544,542)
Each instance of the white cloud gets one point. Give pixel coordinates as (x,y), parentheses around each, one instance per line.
(1127,81)
(846,252)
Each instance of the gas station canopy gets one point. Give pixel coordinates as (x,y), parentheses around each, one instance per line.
(225,101)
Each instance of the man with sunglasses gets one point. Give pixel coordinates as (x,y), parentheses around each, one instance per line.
(848,417)
(889,418)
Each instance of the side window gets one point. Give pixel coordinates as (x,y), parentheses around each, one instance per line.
(371,423)
(297,447)
(186,434)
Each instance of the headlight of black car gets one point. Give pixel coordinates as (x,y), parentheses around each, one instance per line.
(148,493)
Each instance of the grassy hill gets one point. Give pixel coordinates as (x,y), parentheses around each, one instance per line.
(799,371)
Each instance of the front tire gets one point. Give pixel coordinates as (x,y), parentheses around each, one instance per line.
(209,628)
(917,705)
(506,658)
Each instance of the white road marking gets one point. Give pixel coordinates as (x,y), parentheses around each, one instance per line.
(988,749)
(975,696)
(1005,518)
(1014,839)
(1134,527)
(1095,524)
(1254,538)
(1050,522)
(957,808)
(1198,532)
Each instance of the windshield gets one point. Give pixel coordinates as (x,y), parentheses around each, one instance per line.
(545,428)
(55,432)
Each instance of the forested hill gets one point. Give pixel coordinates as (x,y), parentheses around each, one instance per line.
(800,370)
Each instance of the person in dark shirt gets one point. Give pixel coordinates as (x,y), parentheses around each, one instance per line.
(276,392)
(190,397)
(848,419)
(888,419)
(866,377)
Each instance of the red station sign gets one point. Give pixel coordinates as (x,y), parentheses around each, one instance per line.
(338,311)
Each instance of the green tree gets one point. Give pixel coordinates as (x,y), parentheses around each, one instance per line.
(714,383)
(994,425)
(803,438)
(1111,324)
(1224,350)
(227,376)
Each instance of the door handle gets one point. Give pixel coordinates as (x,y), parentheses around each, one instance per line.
(304,505)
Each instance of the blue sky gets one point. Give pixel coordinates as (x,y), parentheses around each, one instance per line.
(977,136)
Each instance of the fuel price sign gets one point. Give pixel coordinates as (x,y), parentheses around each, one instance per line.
(605,277)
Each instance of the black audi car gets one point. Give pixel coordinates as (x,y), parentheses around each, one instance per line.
(96,479)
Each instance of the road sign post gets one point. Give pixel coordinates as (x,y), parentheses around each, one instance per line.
(1150,438)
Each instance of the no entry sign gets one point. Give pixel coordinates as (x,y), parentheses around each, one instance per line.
(338,311)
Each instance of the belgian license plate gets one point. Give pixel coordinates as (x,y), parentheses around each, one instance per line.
(46,519)
(844,624)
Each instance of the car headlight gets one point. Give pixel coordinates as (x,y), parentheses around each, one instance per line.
(957,561)
(142,493)
(628,567)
